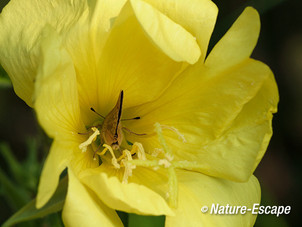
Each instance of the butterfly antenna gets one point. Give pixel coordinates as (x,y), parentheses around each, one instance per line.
(135,118)
(93,110)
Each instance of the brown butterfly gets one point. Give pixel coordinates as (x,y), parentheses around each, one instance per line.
(111,130)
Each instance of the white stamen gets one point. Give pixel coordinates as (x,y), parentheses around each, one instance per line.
(128,166)
(113,160)
(83,146)
(140,151)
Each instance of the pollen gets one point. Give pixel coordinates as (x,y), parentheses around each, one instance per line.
(128,166)
(127,160)
(83,146)
(113,160)
(139,149)
(164,162)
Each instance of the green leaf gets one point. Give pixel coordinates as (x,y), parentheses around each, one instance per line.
(30,212)
(135,220)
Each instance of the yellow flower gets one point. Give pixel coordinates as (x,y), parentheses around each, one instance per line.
(212,115)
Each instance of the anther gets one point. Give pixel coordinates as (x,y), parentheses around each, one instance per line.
(83,146)
(113,160)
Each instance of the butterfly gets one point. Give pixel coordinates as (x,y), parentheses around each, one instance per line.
(112,129)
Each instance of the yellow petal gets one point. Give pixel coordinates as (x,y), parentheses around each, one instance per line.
(85,42)
(21,24)
(131,62)
(197,190)
(133,197)
(57,160)
(196,16)
(205,110)
(56,94)
(171,38)
(102,17)
(269,89)
(247,137)
(83,208)
(82,160)
(63,153)
(238,43)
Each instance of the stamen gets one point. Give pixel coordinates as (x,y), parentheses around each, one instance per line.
(173,185)
(83,146)
(100,153)
(126,159)
(128,166)
(139,149)
(180,136)
(161,139)
(113,160)
(156,152)
(121,157)
(103,151)
(163,158)
(164,162)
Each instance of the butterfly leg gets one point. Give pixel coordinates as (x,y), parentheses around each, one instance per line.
(134,133)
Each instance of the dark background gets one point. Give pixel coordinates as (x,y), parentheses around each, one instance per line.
(280,47)
(279,173)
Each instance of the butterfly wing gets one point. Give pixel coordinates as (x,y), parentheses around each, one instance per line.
(112,129)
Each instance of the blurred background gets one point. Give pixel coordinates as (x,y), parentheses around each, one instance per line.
(23,145)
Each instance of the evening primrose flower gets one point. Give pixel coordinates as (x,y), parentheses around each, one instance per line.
(194,128)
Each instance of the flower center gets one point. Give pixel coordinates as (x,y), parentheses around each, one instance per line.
(128,159)
(109,145)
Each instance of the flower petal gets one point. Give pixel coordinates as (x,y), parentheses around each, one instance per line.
(83,208)
(82,160)
(57,160)
(238,43)
(56,94)
(248,136)
(133,197)
(196,16)
(102,17)
(171,38)
(85,43)
(220,142)
(197,190)
(131,62)
(269,89)
(21,24)
(63,153)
